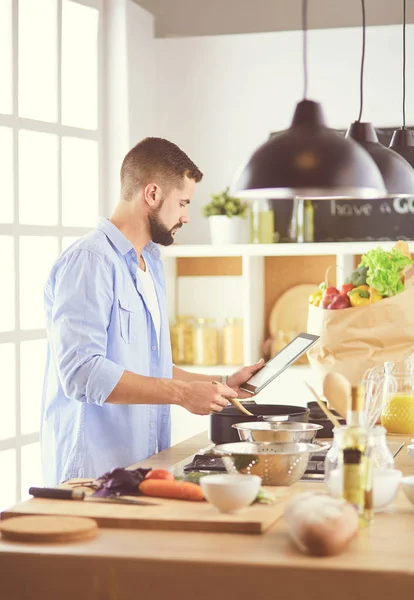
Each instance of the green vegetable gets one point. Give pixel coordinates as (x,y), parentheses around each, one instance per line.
(265,497)
(194,476)
(359,276)
(384,270)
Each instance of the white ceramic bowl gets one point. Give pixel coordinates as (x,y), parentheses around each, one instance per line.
(230,493)
(386,483)
(408,487)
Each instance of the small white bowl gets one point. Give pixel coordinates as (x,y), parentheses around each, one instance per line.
(385,486)
(410,450)
(230,493)
(408,487)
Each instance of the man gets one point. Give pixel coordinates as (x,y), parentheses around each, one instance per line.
(109,373)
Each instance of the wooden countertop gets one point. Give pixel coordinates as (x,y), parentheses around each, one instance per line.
(155,565)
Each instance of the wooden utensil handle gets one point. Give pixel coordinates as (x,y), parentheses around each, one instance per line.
(322,406)
(237,404)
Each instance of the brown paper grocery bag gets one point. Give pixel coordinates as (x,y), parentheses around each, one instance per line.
(353,340)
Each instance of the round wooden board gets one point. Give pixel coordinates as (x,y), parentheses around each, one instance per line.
(290,311)
(48,529)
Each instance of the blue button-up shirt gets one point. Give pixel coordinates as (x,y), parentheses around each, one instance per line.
(98,325)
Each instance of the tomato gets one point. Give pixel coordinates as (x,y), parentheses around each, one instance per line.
(160,474)
(346,287)
(330,290)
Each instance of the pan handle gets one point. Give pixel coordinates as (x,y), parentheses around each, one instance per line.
(321,447)
(219,454)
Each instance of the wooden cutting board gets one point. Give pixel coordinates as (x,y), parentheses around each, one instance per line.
(168,514)
(290,312)
(45,528)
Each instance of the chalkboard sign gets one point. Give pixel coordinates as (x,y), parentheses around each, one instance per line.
(353,220)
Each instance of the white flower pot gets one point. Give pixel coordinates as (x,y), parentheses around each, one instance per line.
(228,230)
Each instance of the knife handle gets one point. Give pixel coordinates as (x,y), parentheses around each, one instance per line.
(56,493)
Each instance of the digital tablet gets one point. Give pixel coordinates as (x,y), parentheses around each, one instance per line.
(276,365)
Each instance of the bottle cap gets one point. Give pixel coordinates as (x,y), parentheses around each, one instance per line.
(357,398)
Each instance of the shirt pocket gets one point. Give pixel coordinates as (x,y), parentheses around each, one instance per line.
(128,320)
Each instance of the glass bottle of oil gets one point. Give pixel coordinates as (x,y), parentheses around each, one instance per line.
(355,459)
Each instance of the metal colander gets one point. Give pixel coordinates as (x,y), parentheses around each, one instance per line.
(275,463)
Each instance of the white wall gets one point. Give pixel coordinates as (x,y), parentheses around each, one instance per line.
(115,82)
(129,83)
(141,73)
(219,97)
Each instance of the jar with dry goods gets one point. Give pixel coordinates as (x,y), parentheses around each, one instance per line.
(205,342)
(182,340)
(233,341)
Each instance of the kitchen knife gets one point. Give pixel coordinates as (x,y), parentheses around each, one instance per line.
(65,494)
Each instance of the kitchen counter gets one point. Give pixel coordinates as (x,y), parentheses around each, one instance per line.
(156,565)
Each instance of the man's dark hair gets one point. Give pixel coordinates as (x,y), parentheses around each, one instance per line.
(159,161)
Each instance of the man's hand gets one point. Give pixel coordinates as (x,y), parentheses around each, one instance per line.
(237,379)
(204,397)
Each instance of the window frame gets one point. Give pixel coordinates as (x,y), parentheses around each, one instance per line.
(17,230)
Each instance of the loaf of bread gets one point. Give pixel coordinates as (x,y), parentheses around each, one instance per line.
(319,524)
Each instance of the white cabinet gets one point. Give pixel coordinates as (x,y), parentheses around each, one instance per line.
(244,295)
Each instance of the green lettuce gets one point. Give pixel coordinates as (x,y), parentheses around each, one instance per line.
(384,270)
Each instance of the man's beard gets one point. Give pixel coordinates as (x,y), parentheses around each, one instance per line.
(159,232)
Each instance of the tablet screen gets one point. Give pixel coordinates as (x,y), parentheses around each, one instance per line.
(280,361)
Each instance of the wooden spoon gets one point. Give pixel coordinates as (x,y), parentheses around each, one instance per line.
(337,390)
(323,407)
(237,404)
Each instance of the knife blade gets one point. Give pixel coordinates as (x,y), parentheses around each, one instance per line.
(65,494)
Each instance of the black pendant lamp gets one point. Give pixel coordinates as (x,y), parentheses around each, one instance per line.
(403,139)
(309,160)
(397,173)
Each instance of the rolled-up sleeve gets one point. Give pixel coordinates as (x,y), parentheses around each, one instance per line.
(81,314)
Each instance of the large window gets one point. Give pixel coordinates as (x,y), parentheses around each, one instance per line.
(49,196)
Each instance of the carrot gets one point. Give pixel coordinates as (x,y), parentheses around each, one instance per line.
(179,490)
(160,474)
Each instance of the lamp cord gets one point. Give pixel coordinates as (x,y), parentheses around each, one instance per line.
(361,81)
(403,82)
(305,47)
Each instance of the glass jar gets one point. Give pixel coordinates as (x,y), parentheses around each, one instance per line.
(182,340)
(262,223)
(398,403)
(382,457)
(302,223)
(233,341)
(205,342)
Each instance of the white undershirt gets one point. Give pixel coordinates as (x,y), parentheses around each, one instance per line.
(151,297)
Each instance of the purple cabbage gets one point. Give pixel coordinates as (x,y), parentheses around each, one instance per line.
(120,482)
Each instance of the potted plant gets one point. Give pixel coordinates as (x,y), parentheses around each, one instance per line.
(227,219)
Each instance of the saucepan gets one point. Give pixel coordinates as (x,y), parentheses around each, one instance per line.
(222,432)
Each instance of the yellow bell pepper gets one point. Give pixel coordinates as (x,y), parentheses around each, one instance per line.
(363,295)
(316,298)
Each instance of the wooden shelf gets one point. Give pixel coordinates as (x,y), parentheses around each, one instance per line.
(245,280)
(306,249)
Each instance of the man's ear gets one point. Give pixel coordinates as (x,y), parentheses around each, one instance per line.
(152,194)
